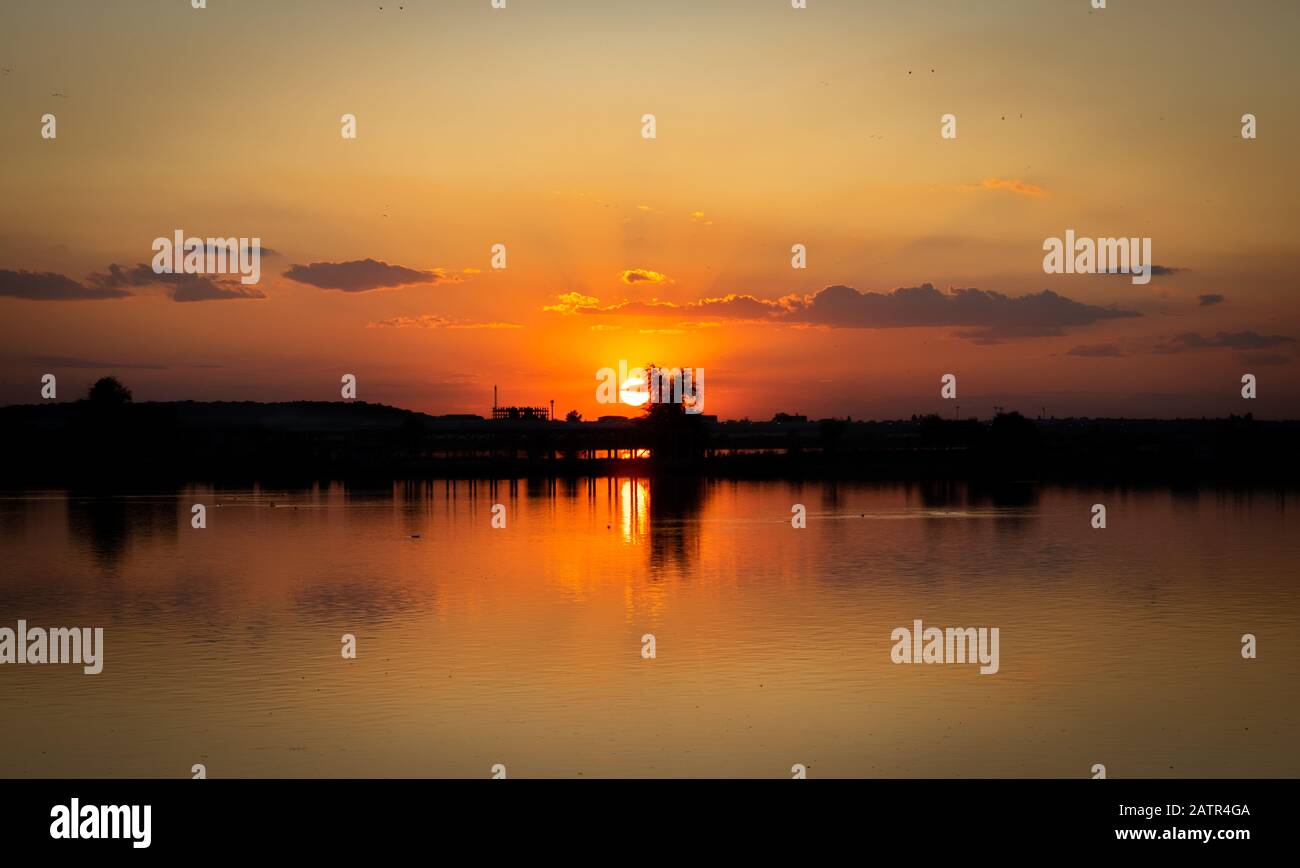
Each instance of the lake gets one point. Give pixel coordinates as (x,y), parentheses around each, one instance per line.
(523,646)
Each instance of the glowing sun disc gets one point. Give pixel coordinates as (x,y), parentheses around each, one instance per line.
(633,392)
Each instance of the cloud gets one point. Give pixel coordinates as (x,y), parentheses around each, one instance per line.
(1156,270)
(989,316)
(118,277)
(572,302)
(362,275)
(1022,188)
(431,321)
(1246,340)
(183,287)
(48,286)
(730,306)
(653,307)
(262,250)
(116,283)
(643,275)
(735,306)
(576,302)
(196,287)
(1211,299)
(662,331)
(992,315)
(1096,351)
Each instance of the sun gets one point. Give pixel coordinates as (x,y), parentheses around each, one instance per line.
(633,391)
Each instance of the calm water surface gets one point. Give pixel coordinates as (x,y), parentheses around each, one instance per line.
(522,646)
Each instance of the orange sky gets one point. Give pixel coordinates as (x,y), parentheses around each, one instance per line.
(774,127)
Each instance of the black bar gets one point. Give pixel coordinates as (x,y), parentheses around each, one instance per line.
(628,820)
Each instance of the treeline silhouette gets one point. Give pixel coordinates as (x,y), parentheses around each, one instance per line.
(108,439)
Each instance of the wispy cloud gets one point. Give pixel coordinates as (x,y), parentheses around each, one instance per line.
(643,275)
(362,275)
(1244,340)
(987,316)
(571,303)
(432,321)
(245,249)
(49,286)
(1011,185)
(183,287)
(1156,270)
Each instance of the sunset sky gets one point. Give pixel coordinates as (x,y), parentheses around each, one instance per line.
(775,126)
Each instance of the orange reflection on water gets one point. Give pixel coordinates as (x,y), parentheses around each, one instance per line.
(522,644)
(633,509)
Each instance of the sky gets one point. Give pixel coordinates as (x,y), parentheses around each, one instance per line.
(774,127)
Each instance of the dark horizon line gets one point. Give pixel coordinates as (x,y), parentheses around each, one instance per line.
(780,417)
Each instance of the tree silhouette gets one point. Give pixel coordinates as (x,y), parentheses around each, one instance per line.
(673,432)
(108,391)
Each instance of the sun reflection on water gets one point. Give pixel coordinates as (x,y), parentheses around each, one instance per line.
(633,509)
